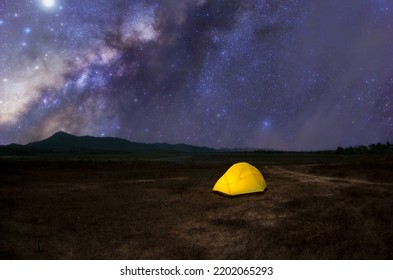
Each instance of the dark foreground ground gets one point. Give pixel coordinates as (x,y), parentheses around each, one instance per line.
(317,206)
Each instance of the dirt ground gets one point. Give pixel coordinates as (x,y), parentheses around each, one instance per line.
(316,206)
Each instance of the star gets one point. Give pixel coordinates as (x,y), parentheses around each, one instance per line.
(266,123)
(48,3)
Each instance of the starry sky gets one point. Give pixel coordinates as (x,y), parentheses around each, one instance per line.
(281,74)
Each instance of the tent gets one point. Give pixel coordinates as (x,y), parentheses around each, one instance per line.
(240,178)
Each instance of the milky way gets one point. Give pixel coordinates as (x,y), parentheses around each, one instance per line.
(298,75)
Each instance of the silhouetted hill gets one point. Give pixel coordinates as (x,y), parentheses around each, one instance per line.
(246,149)
(62,142)
(14,149)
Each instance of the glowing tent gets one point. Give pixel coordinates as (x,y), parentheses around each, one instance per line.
(240,178)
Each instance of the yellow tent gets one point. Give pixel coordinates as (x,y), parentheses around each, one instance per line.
(240,178)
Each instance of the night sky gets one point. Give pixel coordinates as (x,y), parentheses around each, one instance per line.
(298,75)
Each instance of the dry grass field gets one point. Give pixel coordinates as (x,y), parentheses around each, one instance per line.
(317,206)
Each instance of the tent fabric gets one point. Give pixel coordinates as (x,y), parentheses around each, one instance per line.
(240,178)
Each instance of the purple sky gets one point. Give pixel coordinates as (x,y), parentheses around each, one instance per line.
(299,75)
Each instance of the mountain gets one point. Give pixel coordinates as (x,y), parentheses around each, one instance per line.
(62,142)
(245,150)
(14,149)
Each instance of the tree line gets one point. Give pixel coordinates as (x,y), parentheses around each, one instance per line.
(378,148)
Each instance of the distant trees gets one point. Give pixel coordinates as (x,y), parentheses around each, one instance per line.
(372,149)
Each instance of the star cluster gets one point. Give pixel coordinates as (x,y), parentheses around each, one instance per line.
(299,75)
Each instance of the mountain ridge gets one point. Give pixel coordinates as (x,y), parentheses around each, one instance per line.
(62,142)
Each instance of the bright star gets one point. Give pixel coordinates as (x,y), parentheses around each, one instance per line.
(48,3)
(266,124)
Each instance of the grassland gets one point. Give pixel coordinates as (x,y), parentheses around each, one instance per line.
(160,206)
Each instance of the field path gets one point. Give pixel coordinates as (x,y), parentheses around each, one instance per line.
(305,177)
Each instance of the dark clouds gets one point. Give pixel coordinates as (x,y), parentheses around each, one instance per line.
(275,74)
